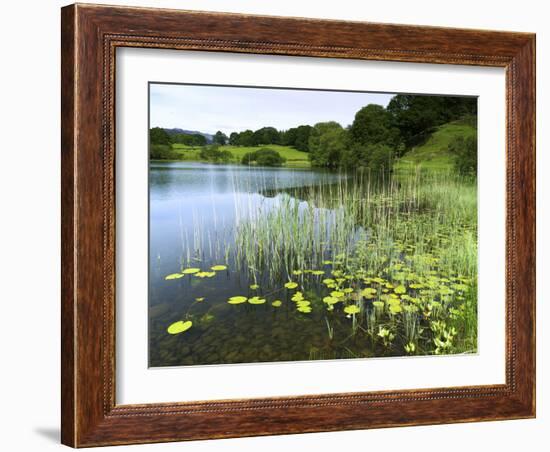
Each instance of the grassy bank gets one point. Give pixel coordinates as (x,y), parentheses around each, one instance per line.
(294,158)
(434,155)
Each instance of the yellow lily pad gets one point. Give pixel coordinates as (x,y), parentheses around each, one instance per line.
(237,299)
(256,300)
(190,271)
(173,276)
(330,300)
(218,268)
(179,327)
(352,309)
(277,304)
(291,285)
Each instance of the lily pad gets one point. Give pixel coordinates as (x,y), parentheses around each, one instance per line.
(352,309)
(256,300)
(331,300)
(304,309)
(199,299)
(378,304)
(277,304)
(190,271)
(291,285)
(179,327)
(337,294)
(254,286)
(237,299)
(173,276)
(318,272)
(218,268)
(400,289)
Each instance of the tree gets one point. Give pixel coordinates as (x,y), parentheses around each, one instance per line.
(327,144)
(373,125)
(189,139)
(415,116)
(267,135)
(246,138)
(297,137)
(220,138)
(234,139)
(263,157)
(158,135)
(465,151)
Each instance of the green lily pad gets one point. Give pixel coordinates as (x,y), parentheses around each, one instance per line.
(190,271)
(304,309)
(205,274)
(256,300)
(352,309)
(395,308)
(291,285)
(297,272)
(199,299)
(254,286)
(328,281)
(179,327)
(337,294)
(318,272)
(237,299)
(218,268)
(400,289)
(173,276)
(378,304)
(331,300)
(277,304)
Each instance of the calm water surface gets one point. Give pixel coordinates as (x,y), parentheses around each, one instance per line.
(193,211)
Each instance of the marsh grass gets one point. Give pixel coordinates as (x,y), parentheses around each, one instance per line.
(389,264)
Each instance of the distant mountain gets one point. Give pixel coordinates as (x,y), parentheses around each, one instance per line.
(209,137)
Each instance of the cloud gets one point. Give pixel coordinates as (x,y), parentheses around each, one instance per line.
(211,108)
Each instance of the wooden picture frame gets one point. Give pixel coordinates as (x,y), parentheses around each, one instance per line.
(90,36)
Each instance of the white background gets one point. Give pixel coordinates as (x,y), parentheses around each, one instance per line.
(29,394)
(138,384)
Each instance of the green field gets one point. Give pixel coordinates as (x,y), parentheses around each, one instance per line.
(433,155)
(294,158)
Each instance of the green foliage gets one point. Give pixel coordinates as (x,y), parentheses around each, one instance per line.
(220,138)
(158,135)
(465,151)
(373,125)
(263,157)
(214,154)
(435,154)
(327,144)
(266,135)
(162,152)
(298,137)
(376,157)
(189,139)
(415,116)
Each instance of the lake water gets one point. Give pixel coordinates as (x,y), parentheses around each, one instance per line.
(277,264)
(194,208)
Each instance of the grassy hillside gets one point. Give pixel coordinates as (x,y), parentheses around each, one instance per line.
(293,157)
(433,154)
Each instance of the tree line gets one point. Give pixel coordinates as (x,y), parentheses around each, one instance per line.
(377,136)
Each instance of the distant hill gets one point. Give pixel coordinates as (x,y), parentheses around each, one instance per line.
(434,153)
(209,137)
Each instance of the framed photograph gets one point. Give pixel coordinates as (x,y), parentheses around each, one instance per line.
(281,225)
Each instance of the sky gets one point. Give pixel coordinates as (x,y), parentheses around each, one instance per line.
(208,109)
